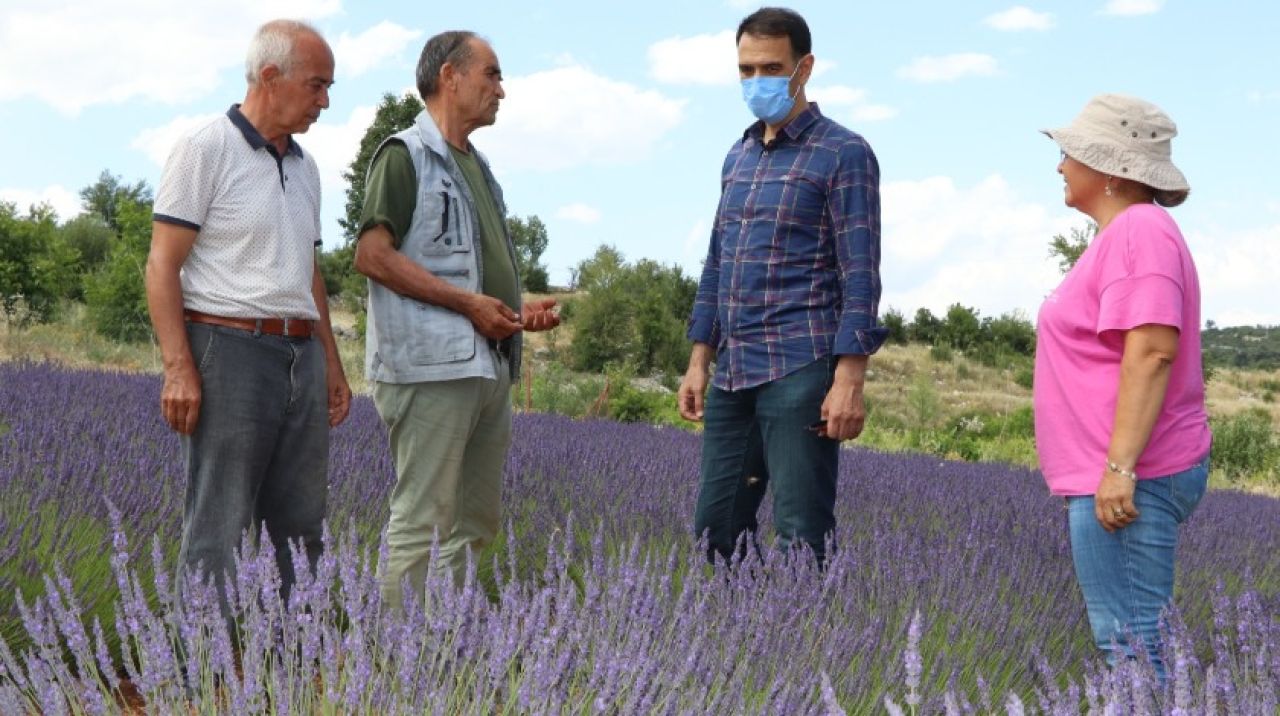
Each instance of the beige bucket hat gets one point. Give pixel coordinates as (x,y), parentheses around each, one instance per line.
(1127,138)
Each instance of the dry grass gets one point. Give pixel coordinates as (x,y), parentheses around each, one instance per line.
(1235,391)
(962,386)
(73,342)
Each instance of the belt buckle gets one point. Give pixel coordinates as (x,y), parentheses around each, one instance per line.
(285,330)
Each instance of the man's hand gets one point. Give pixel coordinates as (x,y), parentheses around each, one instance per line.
(1113,503)
(844,412)
(491,317)
(180,398)
(692,394)
(540,315)
(843,409)
(693,386)
(339,394)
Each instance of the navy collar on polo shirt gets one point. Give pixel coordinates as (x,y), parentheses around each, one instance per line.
(254,137)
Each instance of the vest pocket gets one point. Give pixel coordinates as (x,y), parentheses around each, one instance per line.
(442,224)
(438,334)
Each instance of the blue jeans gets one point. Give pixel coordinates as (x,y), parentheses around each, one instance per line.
(758,436)
(1127,575)
(260,451)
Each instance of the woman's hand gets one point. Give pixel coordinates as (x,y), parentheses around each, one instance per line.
(1113,503)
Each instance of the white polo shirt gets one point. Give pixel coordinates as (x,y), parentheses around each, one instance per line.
(257,219)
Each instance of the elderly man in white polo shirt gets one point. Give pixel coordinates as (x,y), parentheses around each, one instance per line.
(252,378)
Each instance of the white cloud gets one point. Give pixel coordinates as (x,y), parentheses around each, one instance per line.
(1019,17)
(72,55)
(842,96)
(334,146)
(571,117)
(820,67)
(836,95)
(356,55)
(1132,7)
(1237,273)
(874,113)
(710,59)
(65,202)
(981,246)
(985,247)
(578,212)
(946,68)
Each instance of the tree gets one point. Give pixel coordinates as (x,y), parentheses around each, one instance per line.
(1068,251)
(599,271)
(926,328)
(116,294)
(631,315)
(91,238)
(1012,332)
(36,267)
(392,115)
(530,239)
(105,197)
(961,329)
(896,324)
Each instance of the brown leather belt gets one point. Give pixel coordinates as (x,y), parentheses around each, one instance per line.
(291,327)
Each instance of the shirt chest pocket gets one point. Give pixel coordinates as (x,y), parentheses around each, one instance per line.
(788,199)
(444,228)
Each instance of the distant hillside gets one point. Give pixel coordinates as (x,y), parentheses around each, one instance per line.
(1242,346)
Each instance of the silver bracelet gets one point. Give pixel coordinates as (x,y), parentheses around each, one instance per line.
(1121,471)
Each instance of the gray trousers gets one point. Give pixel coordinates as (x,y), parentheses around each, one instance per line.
(449,440)
(260,451)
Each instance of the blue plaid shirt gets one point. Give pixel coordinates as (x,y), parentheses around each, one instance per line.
(793,272)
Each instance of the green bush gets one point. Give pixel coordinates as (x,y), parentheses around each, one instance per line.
(37,268)
(1246,445)
(630,315)
(941,353)
(116,294)
(628,404)
(894,322)
(1025,376)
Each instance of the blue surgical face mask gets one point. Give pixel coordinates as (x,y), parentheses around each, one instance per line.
(768,98)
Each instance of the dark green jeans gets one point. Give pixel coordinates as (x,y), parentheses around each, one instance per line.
(760,437)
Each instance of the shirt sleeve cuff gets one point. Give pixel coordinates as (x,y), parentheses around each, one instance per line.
(860,341)
(704,329)
(167,219)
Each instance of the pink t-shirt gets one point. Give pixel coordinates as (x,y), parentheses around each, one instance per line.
(1137,271)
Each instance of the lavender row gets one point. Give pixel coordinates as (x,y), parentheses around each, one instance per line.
(622,636)
(979,550)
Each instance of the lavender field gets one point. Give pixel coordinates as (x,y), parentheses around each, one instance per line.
(951,590)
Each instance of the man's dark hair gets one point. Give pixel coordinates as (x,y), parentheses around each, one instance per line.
(778,22)
(453,47)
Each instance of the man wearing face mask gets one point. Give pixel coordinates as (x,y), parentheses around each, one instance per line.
(787,303)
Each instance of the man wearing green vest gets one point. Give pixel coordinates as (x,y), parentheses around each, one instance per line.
(445,315)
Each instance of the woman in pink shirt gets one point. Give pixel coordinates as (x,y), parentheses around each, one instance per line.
(1121,428)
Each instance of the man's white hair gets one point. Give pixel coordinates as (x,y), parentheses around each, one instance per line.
(273,44)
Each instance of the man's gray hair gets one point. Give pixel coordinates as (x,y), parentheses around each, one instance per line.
(453,47)
(273,44)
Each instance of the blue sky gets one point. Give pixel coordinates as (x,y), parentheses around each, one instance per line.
(618,115)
